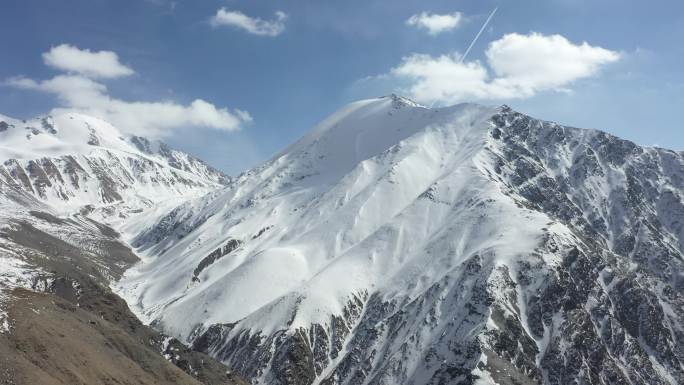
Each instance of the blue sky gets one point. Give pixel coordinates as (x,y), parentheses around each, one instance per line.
(264,83)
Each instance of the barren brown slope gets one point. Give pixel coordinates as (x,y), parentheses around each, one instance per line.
(55,342)
(71,329)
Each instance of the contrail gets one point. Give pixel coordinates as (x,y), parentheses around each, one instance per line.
(472,43)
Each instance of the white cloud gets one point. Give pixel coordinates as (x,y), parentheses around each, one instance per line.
(154,119)
(535,62)
(443,78)
(100,64)
(252,25)
(436,23)
(80,93)
(518,66)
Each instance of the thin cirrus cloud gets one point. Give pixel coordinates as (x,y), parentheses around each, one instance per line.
(253,25)
(436,23)
(517,66)
(77,90)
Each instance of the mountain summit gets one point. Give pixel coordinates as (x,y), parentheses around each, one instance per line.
(399,244)
(78,163)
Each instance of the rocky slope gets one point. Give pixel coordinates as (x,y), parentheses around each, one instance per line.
(398,244)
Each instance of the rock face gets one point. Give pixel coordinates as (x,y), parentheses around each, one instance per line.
(397,244)
(179,160)
(79,163)
(59,321)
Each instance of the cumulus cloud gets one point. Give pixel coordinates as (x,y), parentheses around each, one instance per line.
(443,78)
(518,66)
(80,93)
(100,64)
(253,25)
(535,62)
(436,23)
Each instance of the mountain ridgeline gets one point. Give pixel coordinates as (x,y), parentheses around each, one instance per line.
(392,244)
(76,162)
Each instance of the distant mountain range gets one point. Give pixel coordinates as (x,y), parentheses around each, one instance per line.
(393,244)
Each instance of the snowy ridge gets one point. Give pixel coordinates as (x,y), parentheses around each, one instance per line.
(77,163)
(402,244)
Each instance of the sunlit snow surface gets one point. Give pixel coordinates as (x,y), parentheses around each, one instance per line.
(384,196)
(76,163)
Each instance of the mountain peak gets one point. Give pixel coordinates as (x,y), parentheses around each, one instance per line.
(366,128)
(69,133)
(79,163)
(400,101)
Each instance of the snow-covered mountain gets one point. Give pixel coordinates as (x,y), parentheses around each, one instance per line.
(77,163)
(399,244)
(394,244)
(60,323)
